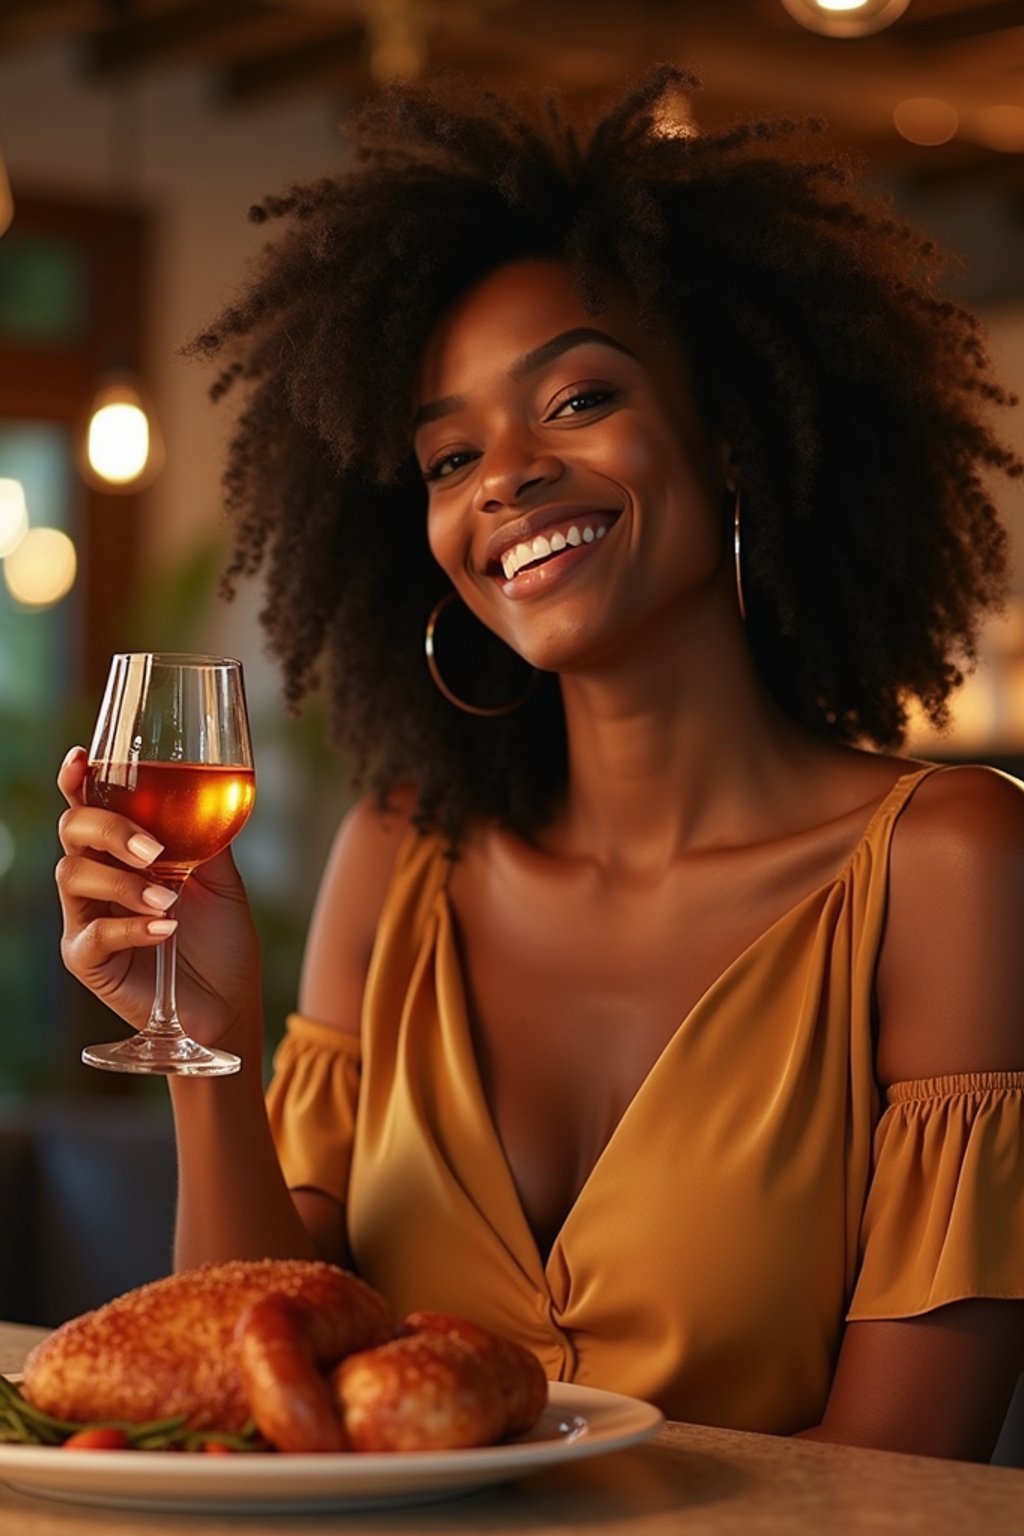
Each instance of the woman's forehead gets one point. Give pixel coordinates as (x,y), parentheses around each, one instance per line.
(510,313)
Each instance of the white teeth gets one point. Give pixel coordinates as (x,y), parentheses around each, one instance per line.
(513,560)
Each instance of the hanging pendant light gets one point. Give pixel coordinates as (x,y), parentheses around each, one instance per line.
(120,448)
(846,18)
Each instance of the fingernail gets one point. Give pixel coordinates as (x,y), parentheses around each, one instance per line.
(144,848)
(70,756)
(159,896)
(162,926)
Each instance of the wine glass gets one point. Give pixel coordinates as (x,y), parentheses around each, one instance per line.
(171,750)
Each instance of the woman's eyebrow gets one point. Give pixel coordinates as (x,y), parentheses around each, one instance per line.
(564,342)
(539,357)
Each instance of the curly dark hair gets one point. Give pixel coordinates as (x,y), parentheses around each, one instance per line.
(853,394)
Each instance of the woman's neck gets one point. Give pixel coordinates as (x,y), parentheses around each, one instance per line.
(667,754)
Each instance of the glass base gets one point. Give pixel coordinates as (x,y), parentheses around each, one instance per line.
(169,1055)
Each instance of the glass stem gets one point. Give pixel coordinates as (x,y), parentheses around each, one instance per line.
(163,1019)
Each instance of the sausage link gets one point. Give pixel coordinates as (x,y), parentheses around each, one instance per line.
(285,1345)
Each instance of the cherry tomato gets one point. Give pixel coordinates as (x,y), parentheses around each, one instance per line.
(98,1439)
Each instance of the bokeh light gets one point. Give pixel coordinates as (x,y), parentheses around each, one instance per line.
(926,120)
(13,515)
(1001,126)
(42,568)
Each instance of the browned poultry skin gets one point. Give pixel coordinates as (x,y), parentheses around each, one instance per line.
(522,1383)
(427,1392)
(169,1347)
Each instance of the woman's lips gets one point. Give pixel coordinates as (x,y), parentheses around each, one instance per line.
(537,538)
(537,565)
(518,535)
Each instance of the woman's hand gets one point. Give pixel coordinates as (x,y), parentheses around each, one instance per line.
(116,913)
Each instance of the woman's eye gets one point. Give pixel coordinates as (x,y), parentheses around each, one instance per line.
(582,400)
(446,464)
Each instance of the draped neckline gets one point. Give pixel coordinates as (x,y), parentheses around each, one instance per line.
(828,893)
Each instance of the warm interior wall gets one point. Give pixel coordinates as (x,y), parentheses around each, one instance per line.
(200,167)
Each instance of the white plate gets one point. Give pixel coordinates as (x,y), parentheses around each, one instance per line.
(578,1422)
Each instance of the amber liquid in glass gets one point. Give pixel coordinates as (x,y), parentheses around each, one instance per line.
(194,809)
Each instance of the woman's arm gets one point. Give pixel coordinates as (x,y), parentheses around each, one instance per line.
(950,990)
(233,1201)
(934,1385)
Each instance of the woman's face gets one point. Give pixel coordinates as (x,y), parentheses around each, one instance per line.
(574,495)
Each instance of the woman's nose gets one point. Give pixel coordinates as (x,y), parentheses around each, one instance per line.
(511,475)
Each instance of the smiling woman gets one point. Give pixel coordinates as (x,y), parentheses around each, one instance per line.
(807,318)
(576,468)
(656,1013)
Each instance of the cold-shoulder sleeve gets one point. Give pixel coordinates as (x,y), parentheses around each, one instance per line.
(944,1217)
(311,1104)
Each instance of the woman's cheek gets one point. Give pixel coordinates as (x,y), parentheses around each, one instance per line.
(439,537)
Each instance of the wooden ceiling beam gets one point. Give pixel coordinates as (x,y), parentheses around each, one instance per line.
(264,74)
(17,10)
(143,40)
(22,20)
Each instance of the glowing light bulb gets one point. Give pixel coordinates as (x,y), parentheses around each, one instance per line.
(119,442)
(845,18)
(42,568)
(121,449)
(13,515)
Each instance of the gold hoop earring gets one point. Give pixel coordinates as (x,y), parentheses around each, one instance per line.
(487,712)
(737,562)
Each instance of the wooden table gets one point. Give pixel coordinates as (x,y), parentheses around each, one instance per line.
(688,1481)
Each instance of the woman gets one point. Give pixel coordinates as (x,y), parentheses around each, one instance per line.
(654,1011)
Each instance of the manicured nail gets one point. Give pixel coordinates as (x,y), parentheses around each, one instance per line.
(162,926)
(159,896)
(70,756)
(144,848)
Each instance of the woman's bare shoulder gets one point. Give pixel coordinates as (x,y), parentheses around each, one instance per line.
(351,896)
(951,972)
(974,802)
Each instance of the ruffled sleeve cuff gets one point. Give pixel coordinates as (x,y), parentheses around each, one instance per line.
(311,1103)
(944,1217)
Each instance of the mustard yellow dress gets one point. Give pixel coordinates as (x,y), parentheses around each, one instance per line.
(755,1194)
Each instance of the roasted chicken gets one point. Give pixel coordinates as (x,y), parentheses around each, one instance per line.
(312,1354)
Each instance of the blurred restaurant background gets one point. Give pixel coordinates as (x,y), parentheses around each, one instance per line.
(134,135)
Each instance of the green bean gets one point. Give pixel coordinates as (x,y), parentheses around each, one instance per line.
(27,1412)
(22,1423)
